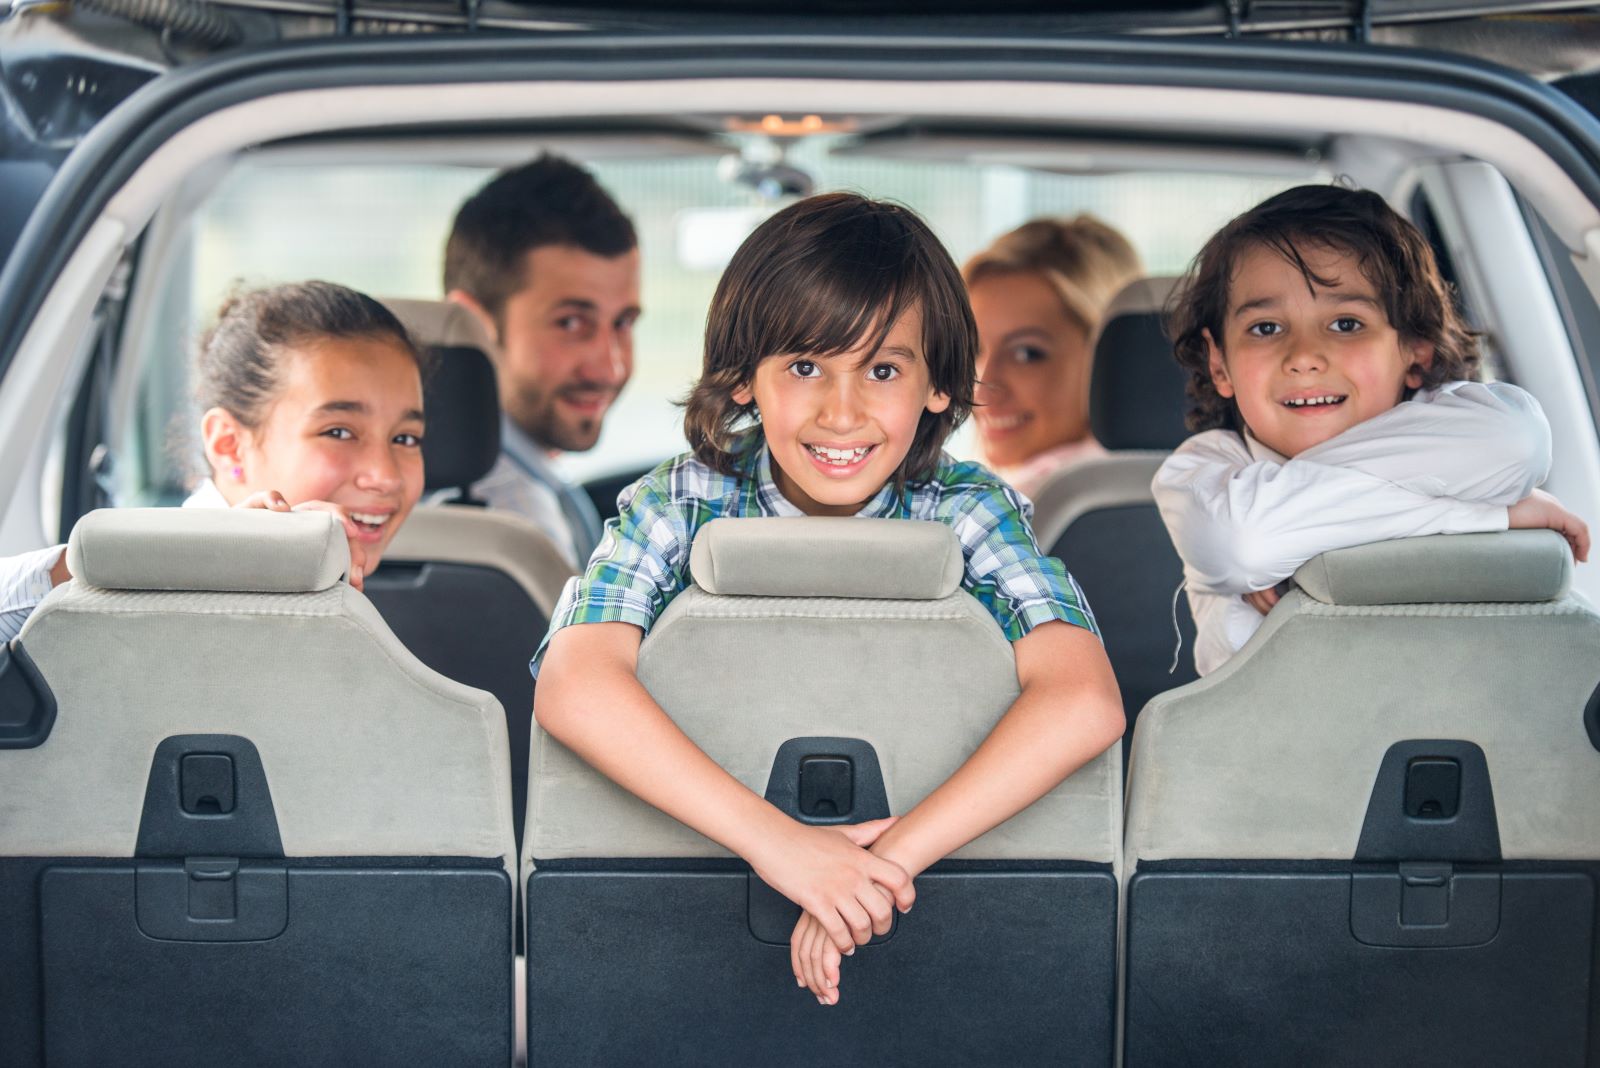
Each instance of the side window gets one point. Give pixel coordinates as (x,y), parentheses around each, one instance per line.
(1579,312)
(1426,219)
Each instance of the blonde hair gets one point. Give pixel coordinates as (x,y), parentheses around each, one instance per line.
(1083,259)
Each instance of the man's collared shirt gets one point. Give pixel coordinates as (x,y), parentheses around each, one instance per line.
(523,481)
(642,562)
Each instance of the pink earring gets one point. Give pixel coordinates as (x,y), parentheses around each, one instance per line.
(238,474)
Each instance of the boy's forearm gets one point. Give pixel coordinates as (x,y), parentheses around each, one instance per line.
(1068,713)
(589,699)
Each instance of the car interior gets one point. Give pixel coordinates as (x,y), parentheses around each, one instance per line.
(250,813)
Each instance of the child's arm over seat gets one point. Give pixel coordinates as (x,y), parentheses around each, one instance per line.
(1449,461)
(1068,712)
(590,699)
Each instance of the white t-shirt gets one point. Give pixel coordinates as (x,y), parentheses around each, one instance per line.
(1449,461)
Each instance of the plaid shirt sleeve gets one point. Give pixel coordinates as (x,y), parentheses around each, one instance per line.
(641,563)
(1020,586)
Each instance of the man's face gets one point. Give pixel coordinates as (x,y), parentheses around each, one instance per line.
(566,343)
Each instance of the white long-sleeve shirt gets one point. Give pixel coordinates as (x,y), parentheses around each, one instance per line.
(25,579)
(1243,518)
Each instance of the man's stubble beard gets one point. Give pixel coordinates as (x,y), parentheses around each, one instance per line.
(538,417)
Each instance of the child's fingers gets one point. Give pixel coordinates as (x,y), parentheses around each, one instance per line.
(864,834)
(808,958)
(795,939)
(834,927)
(893,878)
(821,985)
(830,970)
(880,907)
(859,920)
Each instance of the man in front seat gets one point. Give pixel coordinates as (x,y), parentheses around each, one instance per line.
(549,264)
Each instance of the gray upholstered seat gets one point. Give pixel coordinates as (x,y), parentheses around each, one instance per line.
(249,824)
(878,697)
(452,567)
(1372,835)
(1099,517)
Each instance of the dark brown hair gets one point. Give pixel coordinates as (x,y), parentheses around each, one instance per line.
(819,278)
(241,358)
(1393,256)
(550,201)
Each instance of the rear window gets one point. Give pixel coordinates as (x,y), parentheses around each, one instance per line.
(381,228)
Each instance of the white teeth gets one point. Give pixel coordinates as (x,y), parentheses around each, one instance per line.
(838,457)
(1313,402)
(368,519)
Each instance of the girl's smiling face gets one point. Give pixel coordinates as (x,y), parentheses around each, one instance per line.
(839,426)
(1033,368)
(345,426)
(1305,362)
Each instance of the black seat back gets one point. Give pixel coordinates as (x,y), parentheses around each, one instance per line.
(1099,517)
(467,590)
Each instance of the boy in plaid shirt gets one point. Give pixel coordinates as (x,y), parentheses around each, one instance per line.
(840,354)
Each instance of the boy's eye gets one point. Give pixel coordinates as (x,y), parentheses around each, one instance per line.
(1028,354)
(805,369)
(1346,324)
(340,433)
(1267,329)
(884,372)
(410,440)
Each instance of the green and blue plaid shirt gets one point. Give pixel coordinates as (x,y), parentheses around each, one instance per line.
(642,561)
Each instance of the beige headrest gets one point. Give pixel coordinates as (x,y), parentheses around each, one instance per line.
(1516,565)
(891,559)
(1141,296)
(233,550)
(442,322)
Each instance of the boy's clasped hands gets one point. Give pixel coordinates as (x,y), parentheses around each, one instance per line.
(847,895)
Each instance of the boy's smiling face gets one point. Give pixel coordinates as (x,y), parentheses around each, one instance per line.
(1307,363)
(839,426)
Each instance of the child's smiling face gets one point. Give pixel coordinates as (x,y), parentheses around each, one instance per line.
(1305,363)
(839,426)
(345,427)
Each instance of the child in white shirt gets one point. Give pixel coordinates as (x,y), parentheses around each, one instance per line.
(1333,381)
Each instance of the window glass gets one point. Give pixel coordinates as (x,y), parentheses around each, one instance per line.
(381,228)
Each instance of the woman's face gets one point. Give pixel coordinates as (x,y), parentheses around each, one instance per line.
(1033,369)
(346,428)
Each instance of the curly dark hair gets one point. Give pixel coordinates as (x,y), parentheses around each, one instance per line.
(1392,253)
(817,279)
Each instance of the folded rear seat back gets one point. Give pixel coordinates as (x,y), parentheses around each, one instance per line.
(1371,836)
(835,667)
(256,828)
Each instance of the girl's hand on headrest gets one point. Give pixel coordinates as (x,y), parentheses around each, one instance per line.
(273,501)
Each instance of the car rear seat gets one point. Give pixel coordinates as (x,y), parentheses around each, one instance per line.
(239,822)
(468,590)
(1371,837)
(835,666)
(1099,517)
